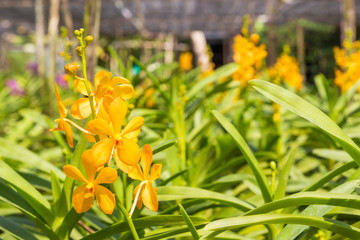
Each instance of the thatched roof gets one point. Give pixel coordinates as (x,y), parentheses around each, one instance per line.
(217,18)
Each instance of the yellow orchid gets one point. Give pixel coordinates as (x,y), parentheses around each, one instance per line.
(145,192)
(105,87)
(83,196)
(122,143)
(62,124)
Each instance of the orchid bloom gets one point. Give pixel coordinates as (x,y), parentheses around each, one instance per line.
(145,192)
(83,196)
(122,143)
(105,87)
(62,124)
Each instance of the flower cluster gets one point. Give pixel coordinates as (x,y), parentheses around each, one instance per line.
(286,69)
(249,55)
(105,104)
(347,59)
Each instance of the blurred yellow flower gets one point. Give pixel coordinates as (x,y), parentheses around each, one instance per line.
(185,61)
(347,59)
(83,196)
(250,58)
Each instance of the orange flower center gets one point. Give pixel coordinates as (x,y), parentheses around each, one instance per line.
(89,190)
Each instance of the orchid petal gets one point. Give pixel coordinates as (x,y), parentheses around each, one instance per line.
(106,175)
(136,173)
(155,171)
(146,159)
(90,164)
(119,80)
(124,91)
(82,204)
(133,125)
(149,197)
(105,199)
(103,150)
(100,127)
(139,201)
(117,112)
(74,173)
(62,110)
(122,166)
(69,135)
(128,151)
(81,108)
(80,87)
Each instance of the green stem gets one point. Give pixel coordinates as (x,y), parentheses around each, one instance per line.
(129,221)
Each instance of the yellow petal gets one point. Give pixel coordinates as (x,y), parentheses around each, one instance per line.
(155,171)
(90,164)
(62,110)
(122,166)
(139,201)
(133,125)
(149,197)
(119,80)
(81,108)
(80,87)
(128,151)
(135,173)
(103,150)
(69,135)
(100,127)
(124,91)
(132,135)
(105,199)
(74,173)
(82,204)
(106,175)
(102,78)
(117,112)
(146,160)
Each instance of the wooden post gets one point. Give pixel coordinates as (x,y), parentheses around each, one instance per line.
(53,34)
(348,20)
(199,45)
(300,42)
(66,13)
(271,44)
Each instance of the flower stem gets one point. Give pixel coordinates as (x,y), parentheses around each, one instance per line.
(129,221)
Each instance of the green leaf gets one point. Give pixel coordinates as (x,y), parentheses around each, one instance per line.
(249,156)
(310,198)
(15,229)
(284,176)
(161,147)
(165,233)
(306,110)
(221,72)
(27,191)
(189,223)
(338,155)
(168,193)
(15,152)
(69,222)
(292,231)
(315,221)
(142,223)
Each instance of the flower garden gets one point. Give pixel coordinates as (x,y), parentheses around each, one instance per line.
(136,147)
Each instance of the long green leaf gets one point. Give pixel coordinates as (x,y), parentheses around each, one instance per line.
(27,191)
(15,229)
(310,198)
(306,110)
(221,72)
(13,151)
(142,223)
(189,223)
(319,222)
(284,176)
(292,231)
(169,193)
(249,156)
